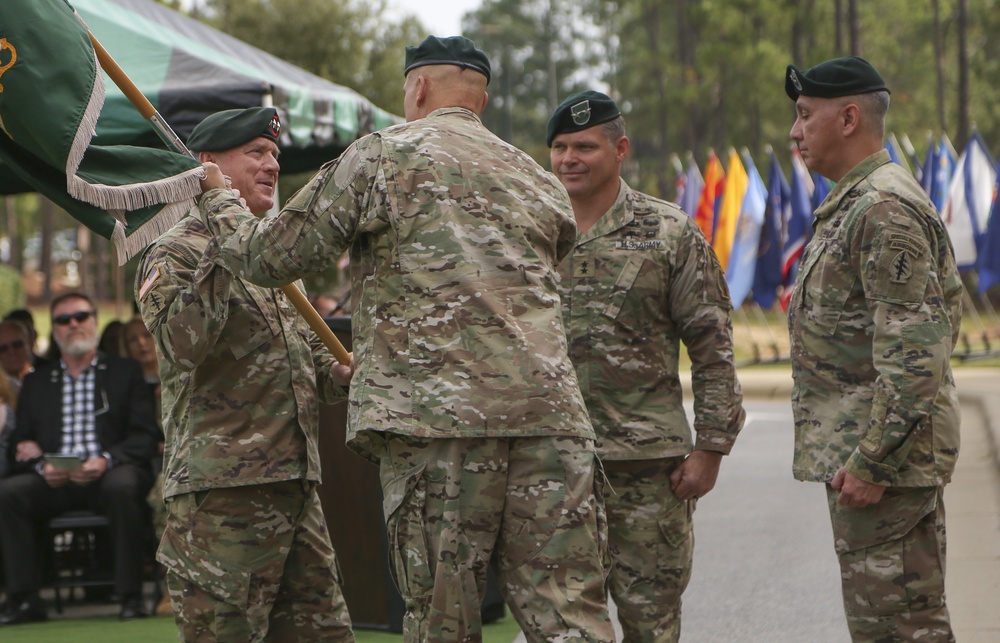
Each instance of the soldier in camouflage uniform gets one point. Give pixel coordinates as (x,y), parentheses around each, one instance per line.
(874,316)
(464,392)
(642,279)
(245,544)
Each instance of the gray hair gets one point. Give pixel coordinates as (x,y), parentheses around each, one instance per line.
(874,106)
(614,129)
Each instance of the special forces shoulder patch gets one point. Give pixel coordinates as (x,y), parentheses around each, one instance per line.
(901,268)
(905,249)
(150,298)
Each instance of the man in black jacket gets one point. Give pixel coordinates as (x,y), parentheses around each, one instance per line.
(95,407)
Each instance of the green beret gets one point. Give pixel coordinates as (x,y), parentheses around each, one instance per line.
(579,112)
(834,78)
(225,130)
(454,50)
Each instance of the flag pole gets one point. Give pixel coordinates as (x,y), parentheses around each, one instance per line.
(163,130)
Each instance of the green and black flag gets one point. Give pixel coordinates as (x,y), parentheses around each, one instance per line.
(51,95)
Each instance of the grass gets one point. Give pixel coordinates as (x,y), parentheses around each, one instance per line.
(108,629)
(760,337)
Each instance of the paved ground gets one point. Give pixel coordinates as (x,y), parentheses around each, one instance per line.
(972,499)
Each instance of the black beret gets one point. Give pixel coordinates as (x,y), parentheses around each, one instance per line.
(834,78)
(455,50)
(225,130)
(579,112)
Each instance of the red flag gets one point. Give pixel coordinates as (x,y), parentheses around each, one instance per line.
(715,183)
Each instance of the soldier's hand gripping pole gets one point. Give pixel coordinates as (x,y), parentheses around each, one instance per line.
(172,141)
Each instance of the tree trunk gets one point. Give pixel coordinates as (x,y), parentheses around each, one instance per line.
(798,33)
(854,26)
(939,65)
(84,243)
(551,39)
(651,14)
(686,43)
(48,212)
(838,31)
(963,73)
(13,234)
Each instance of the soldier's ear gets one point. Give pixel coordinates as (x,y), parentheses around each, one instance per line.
(622,148)
(850,118)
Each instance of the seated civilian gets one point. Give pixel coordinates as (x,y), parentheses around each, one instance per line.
(15,350)
(8,404)
(95,407)
(112,342)
(24,316)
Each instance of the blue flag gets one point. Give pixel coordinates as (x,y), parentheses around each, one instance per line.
(896,152)
(743,256)
(944,170)
(693,187)
(821,188)
(989,253)
(970,198)
(799,223)
(767,276)
(929,169)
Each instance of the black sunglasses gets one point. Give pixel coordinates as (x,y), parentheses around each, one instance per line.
(80,317)
(16,344)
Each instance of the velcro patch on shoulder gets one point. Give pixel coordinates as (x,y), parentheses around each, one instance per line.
(909,243)
(151,277)
(150,297)
(902,267)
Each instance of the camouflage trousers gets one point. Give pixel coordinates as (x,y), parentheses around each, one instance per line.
(530,503)
(253,563)
(892,563)
(651,543)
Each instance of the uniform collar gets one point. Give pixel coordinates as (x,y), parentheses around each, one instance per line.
(617,217)
(448,111)
(850,180)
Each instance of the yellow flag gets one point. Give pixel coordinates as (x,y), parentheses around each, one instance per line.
(729,209)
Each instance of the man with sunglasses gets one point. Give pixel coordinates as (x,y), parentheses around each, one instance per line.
(98,408)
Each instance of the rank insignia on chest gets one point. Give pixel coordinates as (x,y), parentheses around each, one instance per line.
(583,268)
(640,244)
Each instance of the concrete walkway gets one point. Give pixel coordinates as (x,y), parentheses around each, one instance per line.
(972,499)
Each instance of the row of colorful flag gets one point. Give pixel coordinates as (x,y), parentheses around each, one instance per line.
(759,230)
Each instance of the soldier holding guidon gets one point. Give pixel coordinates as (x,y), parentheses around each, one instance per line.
(246,548)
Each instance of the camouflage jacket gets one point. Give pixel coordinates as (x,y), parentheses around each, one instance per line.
(873,319)
(636,285)
(241,372)
(454,237)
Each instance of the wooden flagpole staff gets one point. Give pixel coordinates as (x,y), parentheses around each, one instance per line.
(164,131)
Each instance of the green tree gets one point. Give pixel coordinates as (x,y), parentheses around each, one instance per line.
(345,41)
(540,51)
